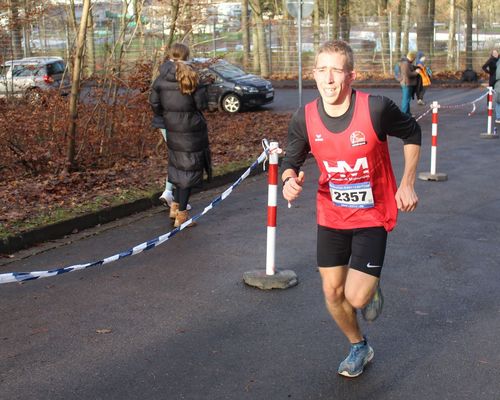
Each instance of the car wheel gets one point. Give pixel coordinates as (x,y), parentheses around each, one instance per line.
(231,103)
(33,95)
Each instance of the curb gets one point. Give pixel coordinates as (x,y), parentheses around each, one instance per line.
(58,230)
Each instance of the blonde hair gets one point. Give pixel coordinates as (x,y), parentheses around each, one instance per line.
(184,73)
(411,55)
(338,46)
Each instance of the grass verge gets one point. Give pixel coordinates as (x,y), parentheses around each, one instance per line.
(98,203)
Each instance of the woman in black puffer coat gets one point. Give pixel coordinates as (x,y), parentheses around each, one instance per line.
(179,99)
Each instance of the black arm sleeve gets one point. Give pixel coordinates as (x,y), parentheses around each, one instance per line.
(154,99)
(388,120)
(201,97)
(486,66)
(297,143)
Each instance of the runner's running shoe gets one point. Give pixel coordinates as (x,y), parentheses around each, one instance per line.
(373,309)
(359,355)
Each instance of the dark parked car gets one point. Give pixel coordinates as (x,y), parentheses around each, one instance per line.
(232,88)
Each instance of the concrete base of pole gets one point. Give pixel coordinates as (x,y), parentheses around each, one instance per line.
(427,176)
(282,279)
(488,136)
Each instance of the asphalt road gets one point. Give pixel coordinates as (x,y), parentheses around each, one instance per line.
(177,322)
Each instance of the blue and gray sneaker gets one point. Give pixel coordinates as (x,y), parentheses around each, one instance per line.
(373,309)
(359,355)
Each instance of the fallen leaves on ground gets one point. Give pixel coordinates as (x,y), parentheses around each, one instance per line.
(34,179)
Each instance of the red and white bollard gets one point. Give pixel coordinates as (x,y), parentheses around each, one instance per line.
(271,278)
(272,198)
(433,175)
(489,134)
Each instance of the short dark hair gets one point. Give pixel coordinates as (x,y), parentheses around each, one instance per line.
(337,46)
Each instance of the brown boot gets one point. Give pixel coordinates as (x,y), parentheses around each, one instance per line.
(174,209)
(182,216)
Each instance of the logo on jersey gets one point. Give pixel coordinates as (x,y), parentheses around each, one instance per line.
(343,170)
(357,138)
(318,137)
(342,167)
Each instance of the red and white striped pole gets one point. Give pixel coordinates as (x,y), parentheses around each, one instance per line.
(272,198)
(271,278)
(433,175)
(434,143)
(490,109)
(489,134)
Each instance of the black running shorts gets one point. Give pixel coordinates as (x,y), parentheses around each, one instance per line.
(362,249)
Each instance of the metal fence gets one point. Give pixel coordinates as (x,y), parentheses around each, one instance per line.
(224,39)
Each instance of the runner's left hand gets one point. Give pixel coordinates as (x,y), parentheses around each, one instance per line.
(406,198)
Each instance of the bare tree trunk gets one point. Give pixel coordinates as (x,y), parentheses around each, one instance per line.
(399,23)
(406,27)
(384,33)
(26,28)
(345,19)
(72,17)
(424,27)
(119,49)
(137,7)
(326,17)
(255,50)
(187,23)
(452,43)
(468,34)
(285,39)
(90,48)
(335,19)
(43,34)
(316,27)
(16,29)
(261,37)
(174,15)
(245,33)
(75,89)
(432,18)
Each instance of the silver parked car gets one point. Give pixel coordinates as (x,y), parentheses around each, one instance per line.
(31,76)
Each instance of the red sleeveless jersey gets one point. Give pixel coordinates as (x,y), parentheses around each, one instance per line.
(356,185)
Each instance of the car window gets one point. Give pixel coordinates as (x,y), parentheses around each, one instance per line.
(228,70)
(205,74)
(55,68)
(24,70)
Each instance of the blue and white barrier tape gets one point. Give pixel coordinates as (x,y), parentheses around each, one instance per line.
(473,102)
(150,244)
(423,115)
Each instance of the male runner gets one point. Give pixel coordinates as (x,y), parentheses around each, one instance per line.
(357,201)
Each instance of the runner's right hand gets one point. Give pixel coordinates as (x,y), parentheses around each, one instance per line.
(293,187)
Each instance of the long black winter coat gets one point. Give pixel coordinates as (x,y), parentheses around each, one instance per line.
(490,67)
(188,147)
